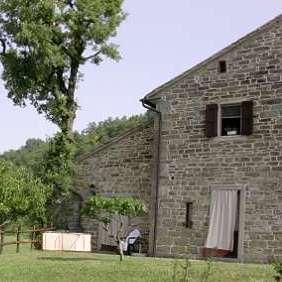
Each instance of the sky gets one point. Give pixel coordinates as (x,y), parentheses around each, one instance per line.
(159,40)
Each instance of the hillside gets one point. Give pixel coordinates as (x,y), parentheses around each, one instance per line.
(31,154)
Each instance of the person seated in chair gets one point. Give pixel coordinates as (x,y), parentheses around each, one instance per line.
(128,243)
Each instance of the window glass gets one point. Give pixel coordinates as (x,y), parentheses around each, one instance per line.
(230,120)
(222,67)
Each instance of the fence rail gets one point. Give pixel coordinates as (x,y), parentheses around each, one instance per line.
(33,234)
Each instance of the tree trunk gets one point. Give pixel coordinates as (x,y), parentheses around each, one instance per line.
(119,241)
(67,127)
(71,106)
(59,164)
(120,246)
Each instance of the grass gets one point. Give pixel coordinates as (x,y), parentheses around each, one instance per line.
(29,266)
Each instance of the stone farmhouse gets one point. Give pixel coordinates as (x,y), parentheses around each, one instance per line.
(209,165)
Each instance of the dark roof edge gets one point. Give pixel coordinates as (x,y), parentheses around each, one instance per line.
(115,140)
(215,56)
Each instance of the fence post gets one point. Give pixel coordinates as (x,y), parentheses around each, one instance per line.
(18,238)
(1,238)
(32,237)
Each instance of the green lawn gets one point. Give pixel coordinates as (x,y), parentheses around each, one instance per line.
(58,266)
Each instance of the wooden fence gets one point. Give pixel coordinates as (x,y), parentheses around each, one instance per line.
(33,237)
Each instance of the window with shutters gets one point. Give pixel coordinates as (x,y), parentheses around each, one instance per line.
(229,119)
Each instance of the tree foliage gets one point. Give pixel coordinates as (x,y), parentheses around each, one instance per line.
(22,196)
(105,209)
(102,132)
(44,44)
(29,156)
(34,153)
(60,156)
(38,156)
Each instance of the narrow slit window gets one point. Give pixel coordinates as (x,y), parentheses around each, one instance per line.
(188,220)
(222,66)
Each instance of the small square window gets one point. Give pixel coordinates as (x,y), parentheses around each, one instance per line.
(222,66)
(230,120)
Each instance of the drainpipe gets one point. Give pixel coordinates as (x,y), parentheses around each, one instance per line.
(151,107)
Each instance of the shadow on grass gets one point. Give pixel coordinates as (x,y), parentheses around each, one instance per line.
(72,259)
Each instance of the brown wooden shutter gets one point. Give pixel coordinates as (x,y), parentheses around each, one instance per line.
(211,120)
(247,118)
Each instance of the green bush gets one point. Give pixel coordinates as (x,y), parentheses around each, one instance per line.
(22,196)
(277,266)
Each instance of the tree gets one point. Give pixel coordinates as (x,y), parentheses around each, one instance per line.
(28,155)
(104,131)
(22,196)
(104,210)
(44,44)
(35,150)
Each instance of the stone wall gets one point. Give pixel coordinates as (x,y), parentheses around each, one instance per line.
(192,164)
(66,216)
(121,168)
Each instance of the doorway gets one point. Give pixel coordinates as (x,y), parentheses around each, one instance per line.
(107,240)
(223,235)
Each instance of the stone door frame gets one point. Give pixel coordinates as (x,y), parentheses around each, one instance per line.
(115,220)
(242,208)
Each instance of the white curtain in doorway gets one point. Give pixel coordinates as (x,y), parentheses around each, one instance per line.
(223,215)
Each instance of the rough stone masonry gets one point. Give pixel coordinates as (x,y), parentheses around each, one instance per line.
(192,164)
(123,167)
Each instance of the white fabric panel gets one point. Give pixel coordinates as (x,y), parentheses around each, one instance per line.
(222,219)
(52,241)
(77,242)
